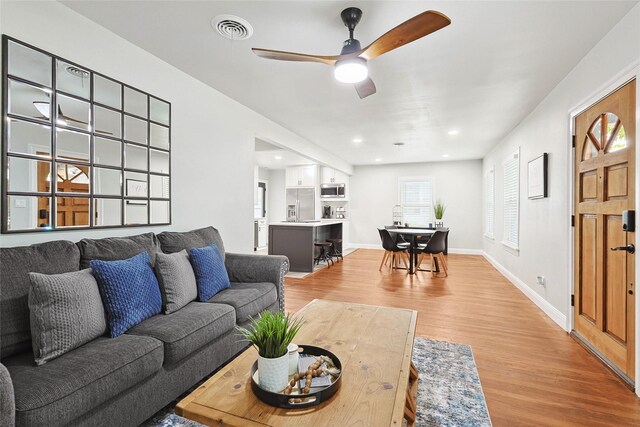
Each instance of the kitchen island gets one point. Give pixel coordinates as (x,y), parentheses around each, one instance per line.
(295,240)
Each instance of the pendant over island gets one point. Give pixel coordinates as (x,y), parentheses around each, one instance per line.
(295,240)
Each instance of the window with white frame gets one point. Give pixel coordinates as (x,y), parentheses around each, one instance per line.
(511,192)
(416,199)
(489,207)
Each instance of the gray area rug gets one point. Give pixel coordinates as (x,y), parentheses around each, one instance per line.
(449,390)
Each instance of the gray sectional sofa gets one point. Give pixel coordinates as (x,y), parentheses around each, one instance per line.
(124,380)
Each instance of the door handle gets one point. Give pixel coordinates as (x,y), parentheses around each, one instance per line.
(630,248)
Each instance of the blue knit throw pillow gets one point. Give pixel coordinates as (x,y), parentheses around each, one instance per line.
(129,290)
(211,274)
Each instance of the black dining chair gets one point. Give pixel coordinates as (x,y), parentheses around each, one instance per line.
(391,248)
(397,237)
(435,248)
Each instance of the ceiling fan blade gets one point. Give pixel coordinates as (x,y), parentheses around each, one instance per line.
(365,88)
(292,56)
(410,30)
(71,119)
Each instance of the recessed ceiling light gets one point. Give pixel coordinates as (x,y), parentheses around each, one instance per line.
(357,140)
(278,157)
(378,160)
(453,132)
(445,155)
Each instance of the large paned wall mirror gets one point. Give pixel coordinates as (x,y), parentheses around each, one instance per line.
(79,149)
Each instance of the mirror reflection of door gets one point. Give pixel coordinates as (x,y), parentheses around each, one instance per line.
(70,178)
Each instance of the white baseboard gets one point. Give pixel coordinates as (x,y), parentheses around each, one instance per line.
(365,246)
(460,251)
(463,251)
(544,305)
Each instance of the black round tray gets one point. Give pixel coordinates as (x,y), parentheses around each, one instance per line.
(310,399)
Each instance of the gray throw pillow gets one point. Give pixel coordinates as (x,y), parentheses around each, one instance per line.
(172,241)
(66,312)
(117,248)
(177,280)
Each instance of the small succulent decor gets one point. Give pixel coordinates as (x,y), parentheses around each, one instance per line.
(438,209)
(271,333)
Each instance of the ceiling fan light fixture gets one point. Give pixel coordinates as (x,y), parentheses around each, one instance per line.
(352,70)
(42,107)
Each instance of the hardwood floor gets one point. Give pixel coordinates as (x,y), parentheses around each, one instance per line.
(532,372)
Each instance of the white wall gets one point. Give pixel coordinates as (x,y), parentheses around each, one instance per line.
(213,136)
(263,174)
(374,192)
(545,223)
(276,196)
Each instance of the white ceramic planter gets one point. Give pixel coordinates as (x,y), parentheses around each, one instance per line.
(293,358)
(273,374)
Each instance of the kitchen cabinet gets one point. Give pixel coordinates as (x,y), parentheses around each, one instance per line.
(295,241)
(302,176)
(332,176)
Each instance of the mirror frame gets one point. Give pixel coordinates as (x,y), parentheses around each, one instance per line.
(53,160)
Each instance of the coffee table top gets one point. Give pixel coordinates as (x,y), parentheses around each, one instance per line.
(374,345)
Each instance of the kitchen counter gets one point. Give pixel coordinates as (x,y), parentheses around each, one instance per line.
(307,224)
(295,240)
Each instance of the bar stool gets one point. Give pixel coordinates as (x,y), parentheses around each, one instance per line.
(333,250)
(324,253)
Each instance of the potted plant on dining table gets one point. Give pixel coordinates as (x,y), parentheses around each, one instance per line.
(438,210)
(271,333)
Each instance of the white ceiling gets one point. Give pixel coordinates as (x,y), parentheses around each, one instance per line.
(481,75)
(273,157)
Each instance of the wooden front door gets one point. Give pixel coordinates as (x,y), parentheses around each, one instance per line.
(604,311)
(71,211)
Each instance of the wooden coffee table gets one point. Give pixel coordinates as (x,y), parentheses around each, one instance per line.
(379,381)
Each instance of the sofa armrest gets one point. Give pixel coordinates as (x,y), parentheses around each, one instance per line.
(259,268)
(7,399)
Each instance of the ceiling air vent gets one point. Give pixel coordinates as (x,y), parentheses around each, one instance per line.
(232,27)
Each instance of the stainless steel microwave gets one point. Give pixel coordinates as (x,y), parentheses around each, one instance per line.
(328,191)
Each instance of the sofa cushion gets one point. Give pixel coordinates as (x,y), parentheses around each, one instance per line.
(188,329)
(129,290)
(171,241)
(249,299)
(7,403)
(210,271)
(117,248)
(16,263)
(67,387)
(177,280)
(66,312)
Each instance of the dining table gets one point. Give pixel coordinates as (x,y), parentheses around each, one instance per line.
(412,234)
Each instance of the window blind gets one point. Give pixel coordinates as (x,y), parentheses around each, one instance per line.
(489,202)
(416,199)
(511,183)
(165,187)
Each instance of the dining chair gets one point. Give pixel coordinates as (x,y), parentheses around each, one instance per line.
(397,237)
(435,248)
(391,248)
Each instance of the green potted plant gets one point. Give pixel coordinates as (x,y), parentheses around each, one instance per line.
(271,333)
(438,210)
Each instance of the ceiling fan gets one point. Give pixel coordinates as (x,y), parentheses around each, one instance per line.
(43,108)
(351,65)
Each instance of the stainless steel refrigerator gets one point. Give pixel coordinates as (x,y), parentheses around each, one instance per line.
(301,204)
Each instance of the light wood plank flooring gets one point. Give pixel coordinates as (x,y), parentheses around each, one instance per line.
(532,372)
